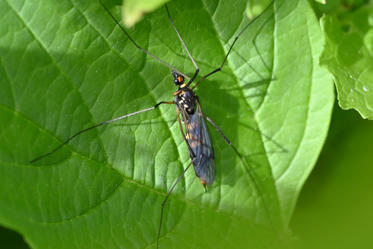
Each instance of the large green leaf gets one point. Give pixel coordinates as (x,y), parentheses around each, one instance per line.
(64,66)
(348,55)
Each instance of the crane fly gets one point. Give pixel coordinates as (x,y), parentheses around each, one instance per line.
(191,119)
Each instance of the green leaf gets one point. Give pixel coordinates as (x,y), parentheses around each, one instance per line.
(133,10)
(256,7)
(348,56)
(321,1)
(65,66)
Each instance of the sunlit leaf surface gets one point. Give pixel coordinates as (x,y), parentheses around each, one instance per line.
(348,55)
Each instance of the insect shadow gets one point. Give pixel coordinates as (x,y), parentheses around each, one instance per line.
(191,119)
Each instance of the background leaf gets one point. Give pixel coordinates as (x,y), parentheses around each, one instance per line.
(133,10)
(104,190)
(348,56)
(321,1)
(255,7)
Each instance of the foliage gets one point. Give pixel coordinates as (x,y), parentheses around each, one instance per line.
(133,10)
(348,55)
(105,188)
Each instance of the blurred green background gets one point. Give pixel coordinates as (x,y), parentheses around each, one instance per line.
(335,206)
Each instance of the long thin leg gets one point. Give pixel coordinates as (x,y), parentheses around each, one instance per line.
(138,46)
(185,47)
(230,48)
(249,169)
(254,42)
(97,125)
(167,196)
(205,76)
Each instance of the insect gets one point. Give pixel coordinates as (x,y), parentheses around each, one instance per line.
(192,121)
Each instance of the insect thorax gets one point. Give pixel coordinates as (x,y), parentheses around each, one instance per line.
(185,100)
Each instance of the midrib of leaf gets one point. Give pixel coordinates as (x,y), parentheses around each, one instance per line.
(289,187)
(286,215)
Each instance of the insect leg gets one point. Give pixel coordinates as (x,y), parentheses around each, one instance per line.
(185,47)
(167,196)
(249,169)
(137,45)
(97,125)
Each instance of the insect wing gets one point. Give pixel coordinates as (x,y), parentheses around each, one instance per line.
(199,142)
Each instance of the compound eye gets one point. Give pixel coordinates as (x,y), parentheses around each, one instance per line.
(180,79)
(176,81)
